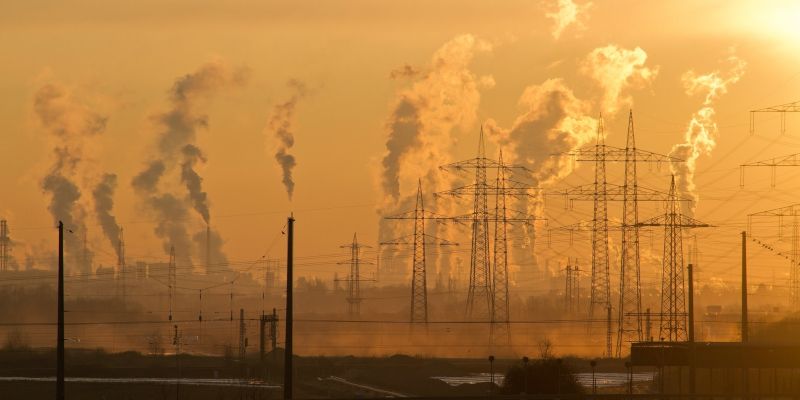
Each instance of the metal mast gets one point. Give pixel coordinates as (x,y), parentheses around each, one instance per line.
(630,298)
(630,193)
(171,279)
(354,277)
(5,246)
(673,293)
(600,283)
(419,280)
(121,264)
(419,241)
(479,297)
(500,309)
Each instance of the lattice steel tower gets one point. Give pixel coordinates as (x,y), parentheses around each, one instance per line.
(419,279)
(630,303)
(479,295)
(354,277)
(673,292)
(500,309)
(600,283)
(419,241)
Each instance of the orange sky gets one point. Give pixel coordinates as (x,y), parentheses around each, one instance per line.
(122,59)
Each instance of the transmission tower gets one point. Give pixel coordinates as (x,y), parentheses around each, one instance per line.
(354,278)
(572,292)
(419,280)
(630,193)
(794,257)
(791,160)
(121,264)
(483,299)
(673,294)
(780,109)
(172,280)
(5,246)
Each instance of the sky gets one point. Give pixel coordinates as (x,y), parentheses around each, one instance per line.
(361,99)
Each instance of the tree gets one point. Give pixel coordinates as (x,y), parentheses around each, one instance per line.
(544,376)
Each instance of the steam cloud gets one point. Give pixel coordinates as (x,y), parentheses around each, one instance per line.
(566,13)
(103,195)
(280,126)
(701,134)
(616,69)
(70,125)
(553,121)
(443,95)
(178,156)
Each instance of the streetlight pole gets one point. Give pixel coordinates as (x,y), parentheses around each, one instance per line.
(525,374)
(491,375)
(60,333)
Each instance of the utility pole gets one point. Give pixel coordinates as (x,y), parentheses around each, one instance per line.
(673,297)
(745,335)
(121,264)
(60,334)
(287,366)
(692,376)
(242,337)
(172,279)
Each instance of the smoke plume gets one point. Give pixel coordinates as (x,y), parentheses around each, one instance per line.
(178,156)
(701,134)
(280,127)
(616,69)
(71,126)
(566,13)
(423,116)
(103,194)
(553,121)
(440,97)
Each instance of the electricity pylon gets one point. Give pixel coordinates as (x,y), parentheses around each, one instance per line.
(780,109)
(354,278)
(572,292)
(419,280)
(481,293)
(629,310)
(673,292)
(791,160)
(494,284)
(794,257)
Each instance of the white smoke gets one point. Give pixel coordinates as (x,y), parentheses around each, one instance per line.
(444,95)
(616,69)
(701,134)
(280,127)
(553,121)
(566,13)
